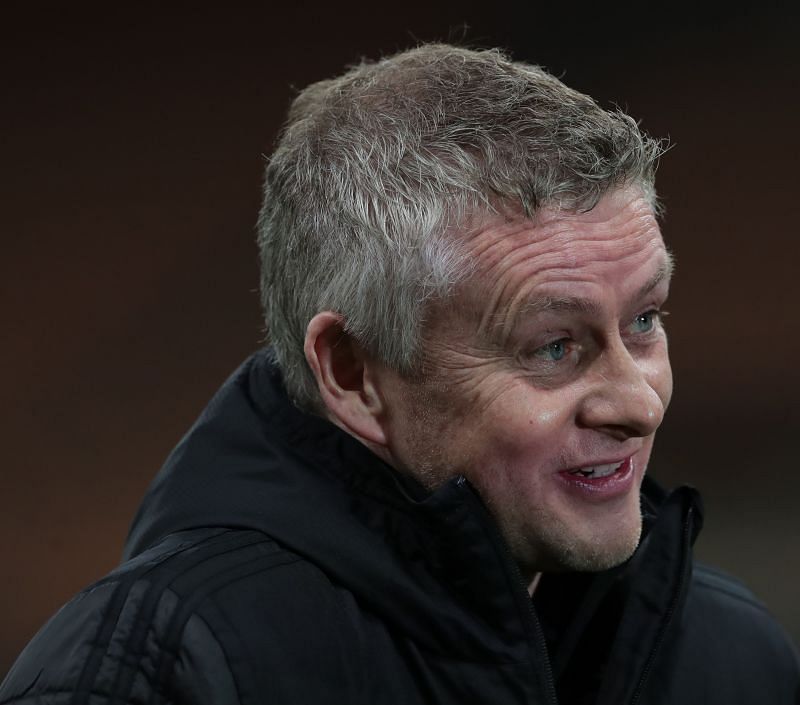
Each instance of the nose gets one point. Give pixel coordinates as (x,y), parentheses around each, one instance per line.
(624,400)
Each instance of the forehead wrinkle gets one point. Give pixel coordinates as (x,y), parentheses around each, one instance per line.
(502,244)
(495,242)
(560,304)
(505,322)
(500,268)
(509,243)
(496,260)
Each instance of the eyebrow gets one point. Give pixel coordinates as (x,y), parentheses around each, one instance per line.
(576,304)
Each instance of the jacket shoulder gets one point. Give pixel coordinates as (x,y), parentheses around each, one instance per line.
(180,622)
(724,587)
(727,605)
(728,648)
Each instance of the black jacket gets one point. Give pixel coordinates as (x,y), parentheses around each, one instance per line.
(275,560)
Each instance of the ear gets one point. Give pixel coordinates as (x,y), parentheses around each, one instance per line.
(345,375)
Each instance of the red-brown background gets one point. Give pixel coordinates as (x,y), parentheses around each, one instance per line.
(131,148)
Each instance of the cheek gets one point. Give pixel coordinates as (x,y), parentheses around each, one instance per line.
(667,386)
(658,373)
(528,424)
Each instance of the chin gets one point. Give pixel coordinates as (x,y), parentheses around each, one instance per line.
(594,557)
(560,550)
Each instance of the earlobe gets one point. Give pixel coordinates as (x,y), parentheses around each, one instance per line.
(345,375)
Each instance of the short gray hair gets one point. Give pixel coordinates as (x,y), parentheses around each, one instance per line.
(376,170)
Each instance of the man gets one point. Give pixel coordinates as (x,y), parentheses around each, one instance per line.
(431,487)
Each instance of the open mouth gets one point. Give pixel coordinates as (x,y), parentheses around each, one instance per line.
(597,471)
(602,481)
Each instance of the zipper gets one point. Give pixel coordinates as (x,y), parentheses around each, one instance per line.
(519,581)
(673,605)
(541,643)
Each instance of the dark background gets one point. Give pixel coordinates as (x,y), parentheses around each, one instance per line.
(132,142)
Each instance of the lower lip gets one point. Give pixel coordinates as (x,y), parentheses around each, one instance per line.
(599,489)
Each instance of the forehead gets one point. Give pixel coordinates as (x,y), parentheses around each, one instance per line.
(619,225)
(607,253)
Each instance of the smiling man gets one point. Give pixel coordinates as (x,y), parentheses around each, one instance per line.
(430,487)
(545,376)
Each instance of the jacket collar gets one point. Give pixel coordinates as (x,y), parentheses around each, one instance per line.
(432,562)
(254,461)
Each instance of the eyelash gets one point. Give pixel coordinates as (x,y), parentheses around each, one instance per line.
(657,316)
(568,345)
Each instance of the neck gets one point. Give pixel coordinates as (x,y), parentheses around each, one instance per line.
(534,583)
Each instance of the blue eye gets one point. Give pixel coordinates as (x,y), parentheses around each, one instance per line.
(554,351)
(645,322)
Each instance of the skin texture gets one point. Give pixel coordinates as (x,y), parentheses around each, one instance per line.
(521,382)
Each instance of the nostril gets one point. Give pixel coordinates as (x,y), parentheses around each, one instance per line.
(622,412)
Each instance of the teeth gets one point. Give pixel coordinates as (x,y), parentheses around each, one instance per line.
(597,470)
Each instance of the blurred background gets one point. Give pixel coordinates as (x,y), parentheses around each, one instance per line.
(132,142)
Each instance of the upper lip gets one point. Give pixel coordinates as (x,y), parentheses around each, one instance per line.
(595,462)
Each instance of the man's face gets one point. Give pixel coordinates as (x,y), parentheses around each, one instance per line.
(545,380)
